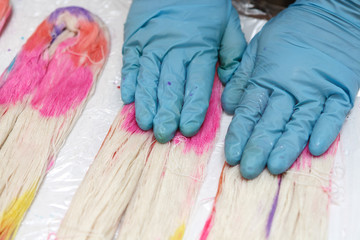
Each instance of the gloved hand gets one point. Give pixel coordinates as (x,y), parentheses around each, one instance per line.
(169,55)
(298,77)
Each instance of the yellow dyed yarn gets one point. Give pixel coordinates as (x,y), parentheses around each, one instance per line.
(179,233)
(12,216)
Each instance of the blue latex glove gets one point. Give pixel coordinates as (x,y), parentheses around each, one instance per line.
(169,56)
(298,78)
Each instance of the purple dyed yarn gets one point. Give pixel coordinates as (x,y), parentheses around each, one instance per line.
(77,11)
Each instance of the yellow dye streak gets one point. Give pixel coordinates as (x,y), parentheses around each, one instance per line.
(12,216)
(179,233)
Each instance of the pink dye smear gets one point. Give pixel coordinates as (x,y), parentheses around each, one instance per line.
(51,163)
(28,68)
(63,87)
(129,124)
(210,221)
(305,159)
(328,190)
(208,225)
(52,236)
(22,79)
(203,140)
(59,82)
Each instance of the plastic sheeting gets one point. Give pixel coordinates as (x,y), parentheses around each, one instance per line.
(49,207)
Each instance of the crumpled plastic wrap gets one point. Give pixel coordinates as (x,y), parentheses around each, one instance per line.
(44,217)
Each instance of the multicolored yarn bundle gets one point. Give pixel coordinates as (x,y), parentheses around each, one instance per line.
(5,12)
(147,186)
(42,93)
(291,206)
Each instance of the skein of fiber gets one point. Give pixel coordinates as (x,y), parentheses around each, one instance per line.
(5,12)
(291,206)
(148,186)
(101,199)
(42,93)
(170,182)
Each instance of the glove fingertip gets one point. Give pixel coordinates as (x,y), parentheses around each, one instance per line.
(316,149)
(225,74)
(127,96)
(232,152)
(276,167)
(163,134)
(280,160)
(128,86)
(319,144)
(249,172)
(190,128)
(228,106)
(230,99)
(144,117)
(144,124)
(164,126)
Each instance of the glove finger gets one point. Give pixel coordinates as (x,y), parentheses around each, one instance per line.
(265,135)
(129,74)
(170,95)
(329,124)
(199,81)
(246,116)
(232,47)
(146,89)
(235,87)
(295,136)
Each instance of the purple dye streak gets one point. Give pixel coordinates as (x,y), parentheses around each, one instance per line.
(77,11)
(57,30)
(273,209)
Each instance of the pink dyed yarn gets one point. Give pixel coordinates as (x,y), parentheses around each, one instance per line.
(58,83)
(129,124)
(63,87)
(21,79)
(203,140)
(305,159)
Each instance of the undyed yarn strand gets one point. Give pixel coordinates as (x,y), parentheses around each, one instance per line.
(107,188)
(306,215)
(293,206)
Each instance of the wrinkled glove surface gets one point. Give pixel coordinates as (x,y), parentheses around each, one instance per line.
(296,83)
(169,56)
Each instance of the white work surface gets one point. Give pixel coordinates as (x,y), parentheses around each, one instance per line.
(49,207)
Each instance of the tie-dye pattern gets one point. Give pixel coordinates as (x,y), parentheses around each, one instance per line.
(42,93)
